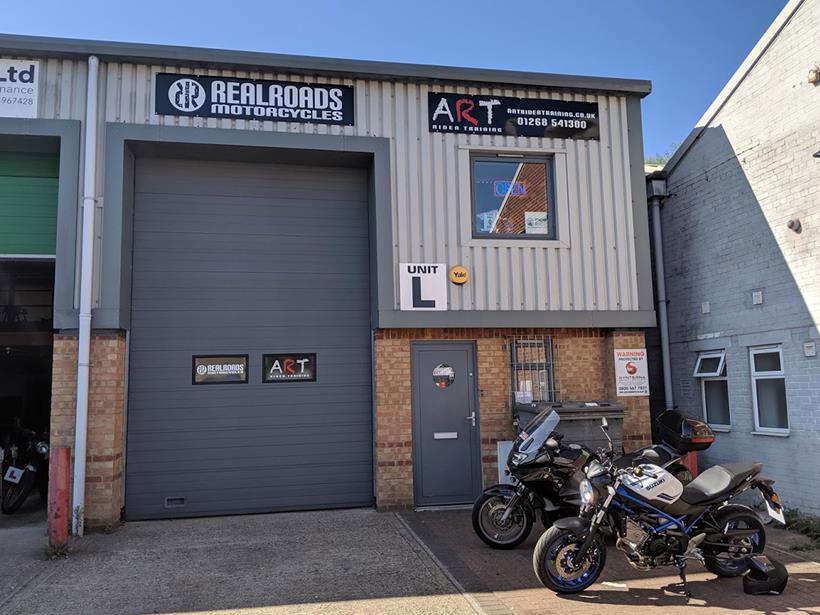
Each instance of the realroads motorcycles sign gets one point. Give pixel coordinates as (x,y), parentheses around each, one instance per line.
(252,99)
(517,117)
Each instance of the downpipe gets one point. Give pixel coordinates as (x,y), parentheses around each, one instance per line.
(86,274)
(663,318)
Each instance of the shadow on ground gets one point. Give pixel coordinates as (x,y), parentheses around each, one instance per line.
(505,579)
(351,561)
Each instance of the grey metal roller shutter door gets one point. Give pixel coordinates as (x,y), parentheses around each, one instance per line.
(248,258)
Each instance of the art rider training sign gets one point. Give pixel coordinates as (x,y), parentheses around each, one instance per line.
(19,88)
(252,99)
(516,117)
(289,367)
(423,286)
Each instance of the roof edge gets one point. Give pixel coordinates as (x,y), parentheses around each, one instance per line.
(368,69)
(734,82)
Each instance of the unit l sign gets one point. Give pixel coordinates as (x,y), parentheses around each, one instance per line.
(423,286)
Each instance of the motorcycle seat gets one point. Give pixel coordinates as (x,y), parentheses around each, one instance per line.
(718,481)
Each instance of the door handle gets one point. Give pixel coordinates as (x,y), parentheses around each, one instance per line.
(471,418)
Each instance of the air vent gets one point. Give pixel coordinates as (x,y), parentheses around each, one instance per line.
(174,502)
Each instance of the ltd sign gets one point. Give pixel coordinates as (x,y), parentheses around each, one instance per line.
(253,99)
(19,88)
(423,286)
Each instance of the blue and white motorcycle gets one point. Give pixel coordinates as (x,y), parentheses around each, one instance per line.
(657,522)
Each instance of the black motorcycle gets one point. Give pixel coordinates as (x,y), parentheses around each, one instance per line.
(546,475)
(657,521)
(24,461)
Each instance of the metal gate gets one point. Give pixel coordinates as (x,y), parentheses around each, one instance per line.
(236,259)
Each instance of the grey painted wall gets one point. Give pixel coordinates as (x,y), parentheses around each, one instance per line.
(725,236)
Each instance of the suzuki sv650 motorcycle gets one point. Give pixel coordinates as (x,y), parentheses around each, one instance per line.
(546,475)
(657,522)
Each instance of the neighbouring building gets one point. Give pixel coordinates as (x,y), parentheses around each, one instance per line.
(308,278)
(741,241)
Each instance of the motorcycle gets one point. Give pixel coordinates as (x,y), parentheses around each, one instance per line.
(657,522)
(25,465)
(546,475)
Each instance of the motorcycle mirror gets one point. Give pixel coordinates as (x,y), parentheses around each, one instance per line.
(605,429)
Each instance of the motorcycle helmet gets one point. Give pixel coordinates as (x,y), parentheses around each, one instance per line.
(765,576)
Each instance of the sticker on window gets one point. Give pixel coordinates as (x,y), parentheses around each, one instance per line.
(443,375)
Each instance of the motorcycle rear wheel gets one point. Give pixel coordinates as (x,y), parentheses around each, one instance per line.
(730,563)
(487,513)
(15,495)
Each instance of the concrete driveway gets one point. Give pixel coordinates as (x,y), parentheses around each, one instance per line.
(22,542)
(351,561)
(502,582)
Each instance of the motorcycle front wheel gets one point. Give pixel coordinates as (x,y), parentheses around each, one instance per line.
(15,495)
(553,565)
(488,522)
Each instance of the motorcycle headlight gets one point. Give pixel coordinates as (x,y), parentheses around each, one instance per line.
(41,447)
(518,458)
(588,495)
(595,469)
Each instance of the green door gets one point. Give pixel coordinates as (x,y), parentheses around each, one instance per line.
(28,203)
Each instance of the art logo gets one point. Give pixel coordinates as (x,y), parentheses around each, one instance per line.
(289,367)
(186,95)
(517,117)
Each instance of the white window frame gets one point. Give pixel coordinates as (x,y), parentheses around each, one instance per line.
(770,375)
(714,426)
(712,354)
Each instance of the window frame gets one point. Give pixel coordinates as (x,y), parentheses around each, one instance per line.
(756,375)
(710,354)
(713,425)
(547,159)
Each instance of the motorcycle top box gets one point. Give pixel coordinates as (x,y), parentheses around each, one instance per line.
(684,433)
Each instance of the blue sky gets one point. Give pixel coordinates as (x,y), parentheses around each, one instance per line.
(688,48)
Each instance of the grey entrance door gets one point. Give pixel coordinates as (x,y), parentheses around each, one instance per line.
(241,258)
(446,443)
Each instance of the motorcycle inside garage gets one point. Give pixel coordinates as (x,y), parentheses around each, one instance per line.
(28,217)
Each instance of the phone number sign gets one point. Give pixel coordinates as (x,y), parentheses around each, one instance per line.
(516,117)
(19,88)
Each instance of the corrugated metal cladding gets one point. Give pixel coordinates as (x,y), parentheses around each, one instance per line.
(596,272)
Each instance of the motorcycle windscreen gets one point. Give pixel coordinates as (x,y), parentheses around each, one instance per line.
(537,431)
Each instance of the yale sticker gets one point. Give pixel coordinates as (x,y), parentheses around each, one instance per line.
(459,275)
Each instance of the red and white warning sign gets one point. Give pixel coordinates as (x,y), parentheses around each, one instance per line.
(631,372)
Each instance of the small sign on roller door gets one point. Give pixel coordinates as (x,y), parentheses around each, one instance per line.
(423,286)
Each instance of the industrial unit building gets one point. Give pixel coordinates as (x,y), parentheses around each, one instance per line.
(308,279)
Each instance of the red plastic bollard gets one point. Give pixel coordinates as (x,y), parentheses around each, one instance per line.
(690,460)
(59,471)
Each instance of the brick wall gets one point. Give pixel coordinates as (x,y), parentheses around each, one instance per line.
(725,236)
(104,461)
(583,370)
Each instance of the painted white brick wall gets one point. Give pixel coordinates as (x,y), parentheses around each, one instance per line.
(725,236)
